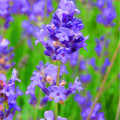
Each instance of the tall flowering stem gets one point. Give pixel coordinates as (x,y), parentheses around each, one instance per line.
(38,103)
(104,80)
(57,83)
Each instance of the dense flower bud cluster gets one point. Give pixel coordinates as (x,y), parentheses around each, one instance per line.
(62,37)
(5,12)
(108,13)
(6,55)
(8,96)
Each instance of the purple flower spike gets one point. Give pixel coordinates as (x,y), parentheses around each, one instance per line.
(108,13)
(63,35)
(85,104)
(6,55)
(8,96)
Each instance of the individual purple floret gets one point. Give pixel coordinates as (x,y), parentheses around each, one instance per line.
(85,78)
(49,115)
(62,37)
(74,58)
(6,55)
(82,65)
(85,104)
(107,10)
(58,93)
(92,62)
(8,96)
(105,65)
(73,87)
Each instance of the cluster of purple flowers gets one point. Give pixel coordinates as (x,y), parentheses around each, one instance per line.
(6,55)
(49,115)
(108,13)
(5,12)
(32,8)
(47,75)
(62,37)
(8,96)
(101,50)
(29,31)
(101,44)
(85,104)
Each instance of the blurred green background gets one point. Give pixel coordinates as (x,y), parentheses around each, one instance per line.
(71,110)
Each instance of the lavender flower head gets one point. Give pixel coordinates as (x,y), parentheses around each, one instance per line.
(8,96)
(108,13)
(62,37)
(5,12)
(85,104)
(33,9)
(101,44)
(6,55)
(42,76)
(47,75)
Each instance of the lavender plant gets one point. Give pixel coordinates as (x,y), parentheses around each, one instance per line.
(107,10)
(6,55)
(85,101)
(85,104)
(63,39)
(8,91)
(8,96)
(34,9)
(5,13)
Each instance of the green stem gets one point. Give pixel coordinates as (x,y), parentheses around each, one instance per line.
(58,72)
(45,11)
(56,110)
(57,83)
(38,103)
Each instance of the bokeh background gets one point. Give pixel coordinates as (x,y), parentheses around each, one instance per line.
(31,57)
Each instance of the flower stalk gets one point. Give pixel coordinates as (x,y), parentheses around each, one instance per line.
(104,80)
(57,83)
(38,103)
